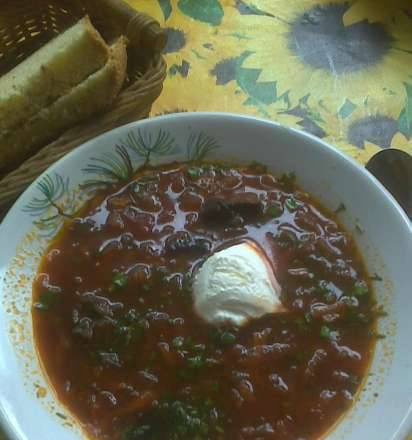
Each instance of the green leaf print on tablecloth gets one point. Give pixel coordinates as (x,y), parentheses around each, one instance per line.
(348,59)
(166,8)
(209,11)
(259,92)
(405,119)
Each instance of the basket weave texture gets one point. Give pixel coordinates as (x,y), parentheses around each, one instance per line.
(26,25)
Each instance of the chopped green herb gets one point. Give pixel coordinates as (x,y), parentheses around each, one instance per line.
(178,420)
(227,338)
(274,211)
(327,294)
(360,289)
(327,333)
(198,348)
(128,334)
(62,416)
(374,334)
(258,167)
(376,277)
(354,318)
(178,342)
(195,362)
(358,228)
(194,172)
(379,312)
(340,208)
(188,343)
(146,287)
(107,358)
(119,280)
(128,330)
(187,283)
(308,318)
(46,301)
(286,239)
(148,179)
(136,432)
(223,338)
(288,178)
(161,273)
(291,204)
(354,380)
(349,301)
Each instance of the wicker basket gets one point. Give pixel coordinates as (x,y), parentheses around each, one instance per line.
(26,25)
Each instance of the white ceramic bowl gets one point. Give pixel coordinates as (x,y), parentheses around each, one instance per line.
(28,408)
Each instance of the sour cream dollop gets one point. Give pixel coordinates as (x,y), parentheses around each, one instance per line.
(235,285)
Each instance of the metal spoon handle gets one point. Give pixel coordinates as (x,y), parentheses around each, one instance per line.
(393,168)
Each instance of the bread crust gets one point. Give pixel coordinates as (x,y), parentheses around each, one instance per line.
(93,95)
(50,73)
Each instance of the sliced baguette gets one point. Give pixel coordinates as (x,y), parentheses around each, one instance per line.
(93,95)
(50,73)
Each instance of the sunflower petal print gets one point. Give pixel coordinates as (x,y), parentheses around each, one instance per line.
(366,121)
(321,56)
(369,148)
(372,11)
(189,42)
(363,130)
(221,94)
(339,69)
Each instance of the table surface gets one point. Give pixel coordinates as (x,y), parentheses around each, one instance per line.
(337,69)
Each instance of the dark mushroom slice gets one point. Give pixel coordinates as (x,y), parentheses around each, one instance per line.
(225,209)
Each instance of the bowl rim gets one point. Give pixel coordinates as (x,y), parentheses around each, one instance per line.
(232,116)
(184,118)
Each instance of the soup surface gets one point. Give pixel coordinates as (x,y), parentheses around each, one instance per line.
(119,340)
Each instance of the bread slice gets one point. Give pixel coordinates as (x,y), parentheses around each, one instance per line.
(93,95)
(50,73)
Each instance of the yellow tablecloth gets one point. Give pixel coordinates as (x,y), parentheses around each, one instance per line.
(341,70)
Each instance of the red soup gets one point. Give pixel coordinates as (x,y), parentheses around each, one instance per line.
(120,342)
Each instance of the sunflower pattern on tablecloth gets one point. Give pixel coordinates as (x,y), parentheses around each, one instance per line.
(339,69)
